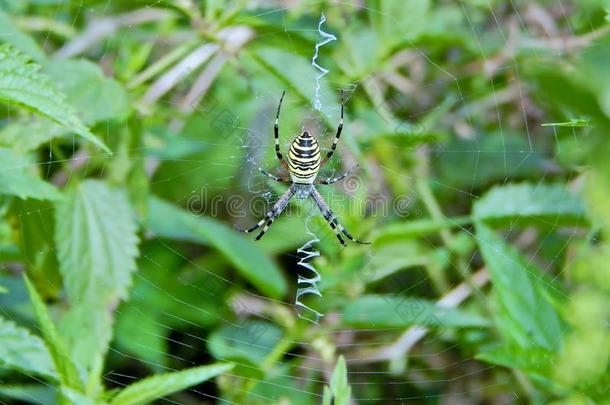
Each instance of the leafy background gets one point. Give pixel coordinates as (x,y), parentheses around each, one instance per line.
(130,137)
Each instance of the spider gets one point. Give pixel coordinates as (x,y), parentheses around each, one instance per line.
(303,165)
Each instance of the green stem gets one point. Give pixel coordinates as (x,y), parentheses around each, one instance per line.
(94,382)
(46,25)
(63,160)
(278,351)
(160,65)
(423,188)
(433,207)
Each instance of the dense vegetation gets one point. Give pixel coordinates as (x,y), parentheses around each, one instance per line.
(131,134)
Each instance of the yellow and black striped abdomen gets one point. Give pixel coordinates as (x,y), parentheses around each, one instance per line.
(304,159)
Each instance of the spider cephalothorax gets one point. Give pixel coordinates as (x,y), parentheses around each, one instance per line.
(304,163)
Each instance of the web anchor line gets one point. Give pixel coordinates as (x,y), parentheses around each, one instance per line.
(317,104)
(307,285)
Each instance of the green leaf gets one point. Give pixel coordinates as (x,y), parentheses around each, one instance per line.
(418,228)
(166,220)
(140,334)
(96,97)
(21,350)
(388,311)
(557,86)
(163,144)
(594,70)
(76,398)
(400,22)
(246,344)
(597,180)
(298,78)
(156,304)
(96,241)
(21,83)
(30,393)
(392,255)
(573,123)
(16,178)
(145,321)
(36,228)
(533,360)
(96,247)
(541,204)
(68,374)
(87,329)
(169,221)
(28,133)
(358,54)
(525,316)
(494,157)
(161,385)
(10,33)
(338,383)
(327,396)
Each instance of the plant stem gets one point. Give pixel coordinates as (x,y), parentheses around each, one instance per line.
(278,351)
(160,65)
(423,188)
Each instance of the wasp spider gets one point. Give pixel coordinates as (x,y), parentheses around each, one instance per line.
(303,165)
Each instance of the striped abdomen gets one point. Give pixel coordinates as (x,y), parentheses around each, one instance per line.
(304,159)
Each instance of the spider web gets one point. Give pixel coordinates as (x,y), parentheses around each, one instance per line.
(433,360)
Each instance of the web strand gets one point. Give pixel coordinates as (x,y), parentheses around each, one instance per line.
(317,104)
(307,285)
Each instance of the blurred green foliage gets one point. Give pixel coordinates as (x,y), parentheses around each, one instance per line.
(130,137)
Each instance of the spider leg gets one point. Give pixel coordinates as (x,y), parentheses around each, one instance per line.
(273,213)
(336,179)
(332,219)
(274,177)
(337,136)
(276,133)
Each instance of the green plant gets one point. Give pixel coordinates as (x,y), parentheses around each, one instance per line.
(130,139)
